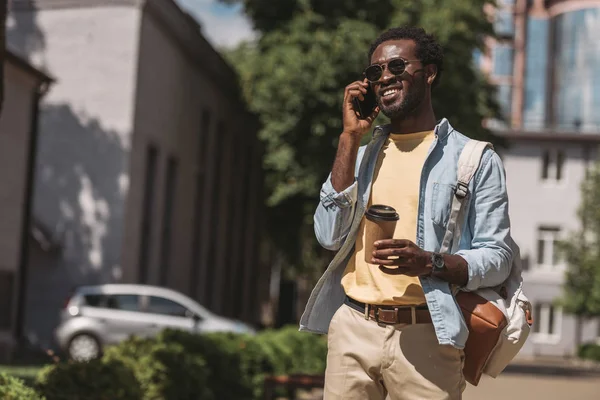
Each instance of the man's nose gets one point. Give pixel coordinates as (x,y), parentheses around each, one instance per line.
(387,77)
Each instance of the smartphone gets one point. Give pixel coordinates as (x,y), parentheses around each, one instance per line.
(367,106)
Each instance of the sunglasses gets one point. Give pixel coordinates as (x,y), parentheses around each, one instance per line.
(396,66)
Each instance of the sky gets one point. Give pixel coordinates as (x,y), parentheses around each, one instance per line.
(222,25)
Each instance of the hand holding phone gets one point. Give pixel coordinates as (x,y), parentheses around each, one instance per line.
(358,100)
(367,105)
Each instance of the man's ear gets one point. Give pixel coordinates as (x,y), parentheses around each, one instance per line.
(431,73)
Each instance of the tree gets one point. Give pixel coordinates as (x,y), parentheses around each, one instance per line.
(581,291)
(293,78)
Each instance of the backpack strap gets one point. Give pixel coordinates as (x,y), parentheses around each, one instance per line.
(468,162)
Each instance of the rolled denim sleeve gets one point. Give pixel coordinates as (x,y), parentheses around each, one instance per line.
(490,255)
(335,212)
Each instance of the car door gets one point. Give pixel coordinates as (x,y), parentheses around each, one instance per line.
(118,314)
(163,313)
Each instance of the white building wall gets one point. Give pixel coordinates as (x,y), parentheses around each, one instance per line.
(536,203)
(84,140)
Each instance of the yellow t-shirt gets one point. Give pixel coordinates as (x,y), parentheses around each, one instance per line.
(396,183)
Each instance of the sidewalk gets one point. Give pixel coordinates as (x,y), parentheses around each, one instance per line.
(559,366)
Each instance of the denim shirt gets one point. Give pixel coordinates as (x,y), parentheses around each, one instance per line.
(485,243)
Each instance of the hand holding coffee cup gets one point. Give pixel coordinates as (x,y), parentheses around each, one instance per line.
(380,224)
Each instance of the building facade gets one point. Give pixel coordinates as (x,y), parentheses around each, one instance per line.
(24,86)
(149,168)
(546,66)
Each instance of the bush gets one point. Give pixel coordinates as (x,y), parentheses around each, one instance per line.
(238,363)
(221,351)
(164,370)
(93,380)
(12,388)
(589,351)
(178,365)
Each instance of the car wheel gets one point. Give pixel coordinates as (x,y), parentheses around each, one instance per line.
(84,347)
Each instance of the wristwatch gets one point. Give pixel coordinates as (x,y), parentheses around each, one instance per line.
(437,262)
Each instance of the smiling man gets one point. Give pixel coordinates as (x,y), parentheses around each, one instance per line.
(394,327)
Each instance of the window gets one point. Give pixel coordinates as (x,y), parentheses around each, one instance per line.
(216,211)
(576,78)
(160,305)
(199,203)
(553,163)
(547,322)
(124,302)
(167,219)
(503,60)
(504,24)
(94,300)
(477,57)
(504,98)
(147,210)
(536,73)
(6,299)
(547,252)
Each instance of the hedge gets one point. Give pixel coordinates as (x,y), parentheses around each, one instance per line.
(93,380)
(589,351)
(12,388)
(178,365)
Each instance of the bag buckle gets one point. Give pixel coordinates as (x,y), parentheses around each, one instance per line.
(462,190)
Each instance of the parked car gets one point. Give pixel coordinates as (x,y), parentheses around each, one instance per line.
(96,316)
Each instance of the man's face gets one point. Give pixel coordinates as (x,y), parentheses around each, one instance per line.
(399,96)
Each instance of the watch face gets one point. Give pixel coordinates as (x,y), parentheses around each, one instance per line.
(438,261)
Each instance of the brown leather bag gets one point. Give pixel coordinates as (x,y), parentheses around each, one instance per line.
(486,322)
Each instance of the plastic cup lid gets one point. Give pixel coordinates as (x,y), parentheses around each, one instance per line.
(382,212)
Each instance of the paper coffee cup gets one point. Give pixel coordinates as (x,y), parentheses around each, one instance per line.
(380,223)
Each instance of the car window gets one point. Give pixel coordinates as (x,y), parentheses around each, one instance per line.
(95,300)
(160,305)
(125,302)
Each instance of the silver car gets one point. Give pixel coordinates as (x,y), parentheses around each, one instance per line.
(96,316)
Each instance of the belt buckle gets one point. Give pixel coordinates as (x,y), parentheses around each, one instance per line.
(377,309)
(377,314)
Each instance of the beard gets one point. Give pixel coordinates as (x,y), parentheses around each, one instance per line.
(408,105)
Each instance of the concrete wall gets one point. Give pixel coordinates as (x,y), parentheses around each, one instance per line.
(15,132)
(84,141)
(536,203)
(191,117)
(15,139)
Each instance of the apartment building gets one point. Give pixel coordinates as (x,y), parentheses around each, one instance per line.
(546,65)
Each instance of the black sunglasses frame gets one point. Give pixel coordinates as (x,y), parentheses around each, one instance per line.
(393,66)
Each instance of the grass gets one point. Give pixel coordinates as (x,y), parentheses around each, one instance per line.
(26,372)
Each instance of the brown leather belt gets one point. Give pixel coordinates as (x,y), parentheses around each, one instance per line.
(391,315)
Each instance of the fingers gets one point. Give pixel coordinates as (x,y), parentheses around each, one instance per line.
(401,252)
(393,243)
(373,115)
(356,93)
(399,271)
(355,89)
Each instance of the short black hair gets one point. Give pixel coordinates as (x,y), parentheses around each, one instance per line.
(428,50)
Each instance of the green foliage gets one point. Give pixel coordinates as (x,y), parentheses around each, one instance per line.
(589,351)
(12,388)
(178,365)
(239,363)
(93,380)
(582,254)
(293,78)
(164,369)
